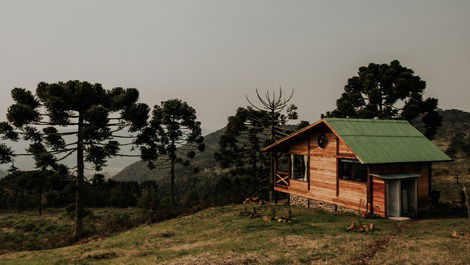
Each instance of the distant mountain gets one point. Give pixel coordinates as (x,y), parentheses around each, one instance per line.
(139,171)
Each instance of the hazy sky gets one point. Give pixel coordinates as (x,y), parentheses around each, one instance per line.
(212,53)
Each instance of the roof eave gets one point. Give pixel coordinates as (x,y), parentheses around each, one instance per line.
(288,137)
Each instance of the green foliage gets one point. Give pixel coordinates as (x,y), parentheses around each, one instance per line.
(73,104)
(191,199)
(459,144)
(173,132)
(173,123)
(150,198)
(388,91)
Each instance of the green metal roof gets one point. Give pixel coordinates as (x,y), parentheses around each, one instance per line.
(386,141)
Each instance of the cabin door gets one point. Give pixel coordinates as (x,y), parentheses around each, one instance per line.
(394,198)
(402,197)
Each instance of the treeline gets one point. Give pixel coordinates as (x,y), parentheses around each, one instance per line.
(37,189)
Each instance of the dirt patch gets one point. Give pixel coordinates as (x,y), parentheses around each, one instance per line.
(101,256)
(166,234)
(377,245)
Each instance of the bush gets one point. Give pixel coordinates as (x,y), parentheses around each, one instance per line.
(149,199)
(190,200)
(118,222)
(70,209)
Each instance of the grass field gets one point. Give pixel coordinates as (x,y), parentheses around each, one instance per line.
(29,231)
(221,236)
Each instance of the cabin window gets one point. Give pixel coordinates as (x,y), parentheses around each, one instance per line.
(299,167)
(352,170)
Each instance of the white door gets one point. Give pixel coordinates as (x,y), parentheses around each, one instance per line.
(394,197)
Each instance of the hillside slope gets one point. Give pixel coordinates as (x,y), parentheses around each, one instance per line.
(222,236)
(139,171)
(454,121)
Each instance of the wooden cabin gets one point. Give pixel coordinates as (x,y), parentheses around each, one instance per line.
(382,167)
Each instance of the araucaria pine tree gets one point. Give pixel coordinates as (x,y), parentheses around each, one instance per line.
(388,91)
(246,133)
(173,133)
(74,117)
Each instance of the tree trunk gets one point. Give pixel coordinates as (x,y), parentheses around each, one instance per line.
(79,180)
(271,156)
(259,180)
(172,176)
(466,201)
(40,201)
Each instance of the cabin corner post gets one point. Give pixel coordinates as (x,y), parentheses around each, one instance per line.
(289,171)
(369,191)
(337,166)
(276,157)
(308,163)
(430,179)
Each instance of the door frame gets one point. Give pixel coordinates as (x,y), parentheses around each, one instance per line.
(412,203)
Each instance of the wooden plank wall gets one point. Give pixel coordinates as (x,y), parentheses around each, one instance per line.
(323,166)
(378,197)
(423,183)
(344,150)
(299,146)
(298,185)
(352,194)
(322,170)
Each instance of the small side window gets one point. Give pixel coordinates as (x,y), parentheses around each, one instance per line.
(352,170)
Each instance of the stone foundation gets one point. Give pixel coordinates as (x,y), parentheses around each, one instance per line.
(300,201)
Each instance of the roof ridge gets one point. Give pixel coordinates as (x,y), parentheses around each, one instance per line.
(367,120)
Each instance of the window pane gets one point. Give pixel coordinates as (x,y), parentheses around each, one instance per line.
(352,170)
(298,167)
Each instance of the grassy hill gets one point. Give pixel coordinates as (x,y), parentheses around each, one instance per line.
(221,236)
(139,171)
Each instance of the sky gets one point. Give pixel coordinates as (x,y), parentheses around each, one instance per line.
(213,53)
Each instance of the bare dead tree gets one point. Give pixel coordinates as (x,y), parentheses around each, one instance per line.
(279,113)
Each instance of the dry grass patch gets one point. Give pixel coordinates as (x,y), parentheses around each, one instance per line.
(229,258)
